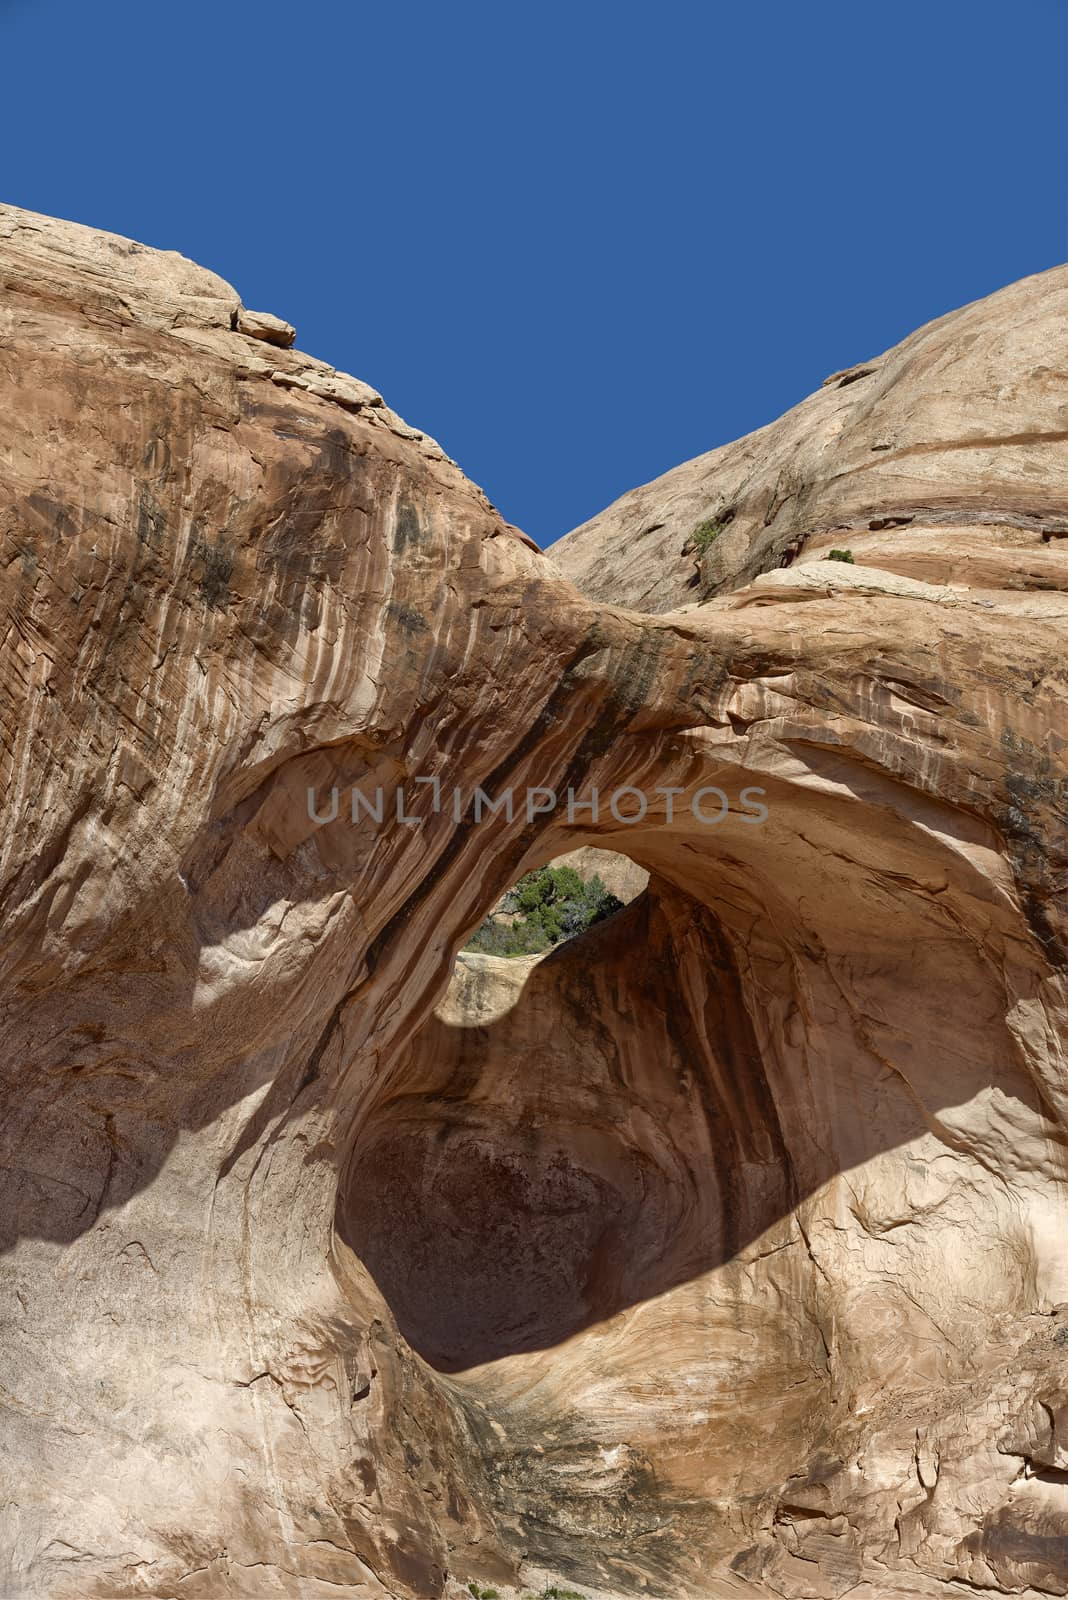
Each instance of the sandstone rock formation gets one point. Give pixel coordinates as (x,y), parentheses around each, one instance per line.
(719,1252)
(620,876)
(942,460)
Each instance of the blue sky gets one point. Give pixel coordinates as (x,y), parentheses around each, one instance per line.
(580,242)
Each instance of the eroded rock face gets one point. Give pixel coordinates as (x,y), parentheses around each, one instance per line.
(720,1252)
(944,459)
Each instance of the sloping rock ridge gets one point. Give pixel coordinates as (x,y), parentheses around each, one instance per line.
(719,1252)
(943,460)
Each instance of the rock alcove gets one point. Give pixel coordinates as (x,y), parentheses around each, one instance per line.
(494,1195)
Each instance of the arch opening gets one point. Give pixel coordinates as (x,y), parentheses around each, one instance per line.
(579,1130)
(550,1155)
(558,901)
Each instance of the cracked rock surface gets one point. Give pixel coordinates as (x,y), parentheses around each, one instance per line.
(720,1252)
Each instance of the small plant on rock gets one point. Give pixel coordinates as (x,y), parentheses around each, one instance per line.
(479,1593)
(707,532)
(842,555)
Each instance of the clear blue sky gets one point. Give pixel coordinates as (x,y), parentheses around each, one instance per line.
(579,242)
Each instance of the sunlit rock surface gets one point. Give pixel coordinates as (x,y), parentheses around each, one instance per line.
(719,1252)
(943,460)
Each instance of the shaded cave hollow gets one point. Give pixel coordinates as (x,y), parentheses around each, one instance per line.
(570,1135)
(556,1145)
(522,1178)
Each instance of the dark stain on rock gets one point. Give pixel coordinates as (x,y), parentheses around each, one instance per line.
(406,617)
(749,1563)
(408,532)
(151,524)
(422,1576)
(1034,791)
(50,516)
(1037,1557)
(216,568)
(157,454)
(500,778)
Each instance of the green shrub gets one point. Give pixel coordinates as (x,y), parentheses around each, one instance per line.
(707,532)
(554,1592)
(549,905)
(482,1594)
(842,555)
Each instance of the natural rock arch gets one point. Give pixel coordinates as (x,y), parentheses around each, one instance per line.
(234,576)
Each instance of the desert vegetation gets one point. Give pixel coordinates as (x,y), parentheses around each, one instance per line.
(708,531)
(544,908)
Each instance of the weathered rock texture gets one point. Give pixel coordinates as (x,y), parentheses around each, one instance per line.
(620,876)
(718,1253)
(942,460)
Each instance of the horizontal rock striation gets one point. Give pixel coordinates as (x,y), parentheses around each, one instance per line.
(720,1251)
(946,460)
